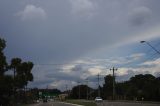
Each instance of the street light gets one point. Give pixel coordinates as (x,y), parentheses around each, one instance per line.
(150,46)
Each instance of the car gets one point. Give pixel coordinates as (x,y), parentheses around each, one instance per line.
(98,99)
(38,101)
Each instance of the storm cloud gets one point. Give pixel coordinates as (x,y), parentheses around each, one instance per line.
(63,31)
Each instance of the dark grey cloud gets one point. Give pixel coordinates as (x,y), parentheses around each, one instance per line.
(140,16)
(77,68)
(60,37)
(61,31)
(40,83)
(62,76)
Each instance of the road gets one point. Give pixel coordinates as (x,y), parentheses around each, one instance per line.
(53,104)
(106,103)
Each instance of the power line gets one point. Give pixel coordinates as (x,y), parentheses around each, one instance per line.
(151,46)
(150,50)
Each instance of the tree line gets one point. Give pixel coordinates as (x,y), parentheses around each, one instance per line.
(13,86)
(139,88)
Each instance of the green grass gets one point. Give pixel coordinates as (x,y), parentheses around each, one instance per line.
(82,102)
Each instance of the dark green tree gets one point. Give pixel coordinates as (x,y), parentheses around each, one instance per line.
(5,80)
(80,91)
(139,87)
(3,63)
(143,86)
(158,89)
(9,83)
(108,87)
(15,63)
(24,74)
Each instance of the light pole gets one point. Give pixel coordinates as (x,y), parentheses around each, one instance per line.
(150,46)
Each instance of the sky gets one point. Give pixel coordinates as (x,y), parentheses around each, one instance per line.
(70,41)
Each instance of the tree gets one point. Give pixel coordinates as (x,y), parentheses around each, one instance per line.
(144,85)
(6,89)
(8,83)
(158,89)
(139,87)
(5,80)
(108,86)
(22,72)
(80,91)
(15,63)
(3,63)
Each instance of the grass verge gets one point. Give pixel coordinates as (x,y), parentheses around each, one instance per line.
(82,102)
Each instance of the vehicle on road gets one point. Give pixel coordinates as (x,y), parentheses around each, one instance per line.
(38,101)
(98,99)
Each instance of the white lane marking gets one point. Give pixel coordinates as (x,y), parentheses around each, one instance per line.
(71,104)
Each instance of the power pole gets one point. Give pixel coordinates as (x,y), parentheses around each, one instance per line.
(114,69)
(79,92)
(87,88)
(98,86)
(66,89)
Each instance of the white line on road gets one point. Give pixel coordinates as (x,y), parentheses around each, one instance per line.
(71,104)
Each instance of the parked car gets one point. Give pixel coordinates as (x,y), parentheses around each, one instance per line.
(98,99)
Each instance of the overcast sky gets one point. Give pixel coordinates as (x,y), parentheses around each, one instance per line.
(71,40)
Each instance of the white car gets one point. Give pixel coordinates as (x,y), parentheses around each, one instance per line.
(98,99)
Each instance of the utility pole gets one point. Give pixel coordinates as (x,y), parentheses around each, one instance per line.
(98,87)
(87,88)
(66,89)
(113,69)
(79,92)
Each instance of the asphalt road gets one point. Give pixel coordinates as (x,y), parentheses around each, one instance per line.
(53,104)
(106,103)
